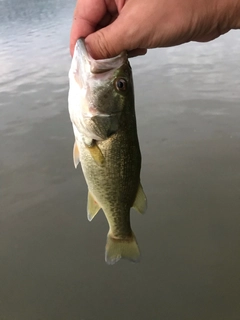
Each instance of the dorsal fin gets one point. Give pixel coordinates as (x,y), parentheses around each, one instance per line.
(140,203)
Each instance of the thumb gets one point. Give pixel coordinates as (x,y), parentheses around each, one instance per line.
(108,42)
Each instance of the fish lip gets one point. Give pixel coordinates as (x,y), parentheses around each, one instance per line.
(100,65)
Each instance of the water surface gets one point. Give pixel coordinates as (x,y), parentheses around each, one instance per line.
(51,258)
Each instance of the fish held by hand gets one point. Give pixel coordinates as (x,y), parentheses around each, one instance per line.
(101,107)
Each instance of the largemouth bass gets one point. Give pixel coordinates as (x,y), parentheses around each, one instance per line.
(101,107)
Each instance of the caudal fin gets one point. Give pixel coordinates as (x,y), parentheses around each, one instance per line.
(117,249)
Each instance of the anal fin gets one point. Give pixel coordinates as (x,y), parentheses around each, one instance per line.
(92,207)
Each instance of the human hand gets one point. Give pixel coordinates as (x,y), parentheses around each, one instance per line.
(92,15)
(112,26)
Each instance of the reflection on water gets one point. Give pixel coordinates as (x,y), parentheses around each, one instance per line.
(187,104)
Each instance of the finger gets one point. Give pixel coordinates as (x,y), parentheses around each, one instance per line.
(86,17)
(80,28)
(137,52)
(112,40)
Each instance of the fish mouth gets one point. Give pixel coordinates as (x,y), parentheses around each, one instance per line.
(97,66)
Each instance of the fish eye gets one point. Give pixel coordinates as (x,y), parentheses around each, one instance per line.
(121,84)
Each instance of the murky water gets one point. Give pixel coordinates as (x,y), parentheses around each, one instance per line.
(188,109)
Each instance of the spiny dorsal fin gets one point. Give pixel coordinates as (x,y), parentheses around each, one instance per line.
(92,207)
(140,203)
(76,155)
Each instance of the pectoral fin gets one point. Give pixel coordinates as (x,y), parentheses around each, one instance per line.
(96,153)
(140,203)
(92,207)
(76,155)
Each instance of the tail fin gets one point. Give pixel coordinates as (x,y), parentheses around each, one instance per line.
(117,249)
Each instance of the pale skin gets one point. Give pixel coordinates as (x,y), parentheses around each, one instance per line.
(112,26)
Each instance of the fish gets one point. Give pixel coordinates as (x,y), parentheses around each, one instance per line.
(102,112)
